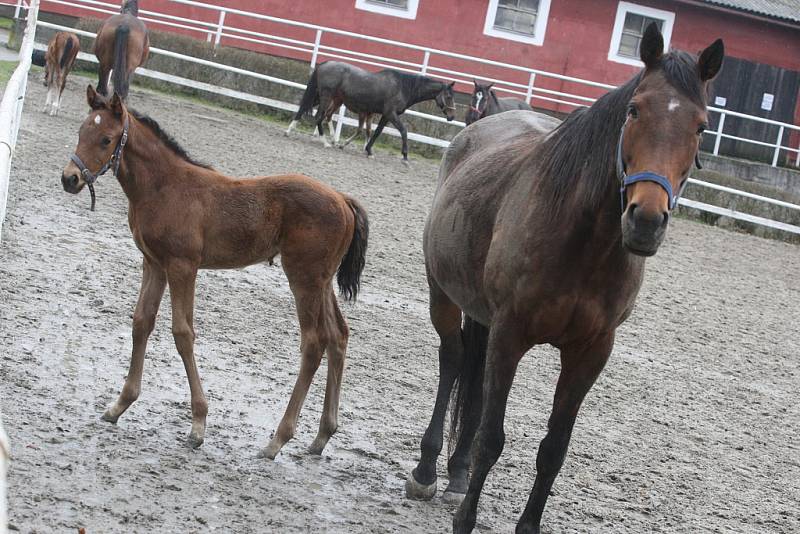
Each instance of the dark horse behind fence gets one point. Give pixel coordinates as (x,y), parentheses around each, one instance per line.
(387,92)
(61,52)
(532,240)
(485,102)
(186,216)
(121,45)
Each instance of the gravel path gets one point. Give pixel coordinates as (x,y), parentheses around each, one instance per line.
(691,428)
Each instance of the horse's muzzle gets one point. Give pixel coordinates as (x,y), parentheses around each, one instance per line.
(72,183)
(642,232)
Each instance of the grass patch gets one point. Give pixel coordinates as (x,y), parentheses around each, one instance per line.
(6,23)
(6,70)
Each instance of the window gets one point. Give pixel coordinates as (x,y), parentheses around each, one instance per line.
(517,20)
(629,28)
(406,9)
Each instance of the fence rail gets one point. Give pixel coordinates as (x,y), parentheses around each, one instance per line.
(11,107)
(316,49)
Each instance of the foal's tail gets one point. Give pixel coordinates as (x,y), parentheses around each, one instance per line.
(66,53)
(120,75)
(310,97)
(349,275)
(465,402)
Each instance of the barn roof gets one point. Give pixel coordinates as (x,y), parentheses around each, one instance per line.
(779,9)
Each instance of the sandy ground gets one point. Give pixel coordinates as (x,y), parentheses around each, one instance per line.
(691,428)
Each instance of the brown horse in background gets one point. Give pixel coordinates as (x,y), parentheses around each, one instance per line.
(186,216)
(121,45)
(539,235)
(61,52)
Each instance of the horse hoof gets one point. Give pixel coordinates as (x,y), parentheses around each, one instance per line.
(109,417)
(195,440)
(267,454)
(453,497)
(406,162)
(417,491)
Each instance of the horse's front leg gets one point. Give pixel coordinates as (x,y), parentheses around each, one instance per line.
(378,130)
(181,276)
(579,369)
(504,351)
(144,319)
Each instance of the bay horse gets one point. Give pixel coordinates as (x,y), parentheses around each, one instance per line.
(532,240)
(60,57)
(186,216)
(386,92)
(484,102)
(122,44)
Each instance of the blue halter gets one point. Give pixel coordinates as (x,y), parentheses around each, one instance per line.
(645,176)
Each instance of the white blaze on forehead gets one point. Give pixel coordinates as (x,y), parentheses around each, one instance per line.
(97,119)
(478,97)
(673,104)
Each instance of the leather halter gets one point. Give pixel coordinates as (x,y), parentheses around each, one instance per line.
(114,162)
(646,176)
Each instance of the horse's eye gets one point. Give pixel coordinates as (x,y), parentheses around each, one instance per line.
(106,141)
(701,129)
(633,112)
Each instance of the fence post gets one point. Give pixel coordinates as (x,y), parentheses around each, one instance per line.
(220,25)
(719,133)
(529,94)
(315,53)
(777,147)
(425,61)
(339,122)
(797,160)
(18,9)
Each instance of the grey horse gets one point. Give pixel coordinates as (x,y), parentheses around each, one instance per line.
(485,102)
(388,93)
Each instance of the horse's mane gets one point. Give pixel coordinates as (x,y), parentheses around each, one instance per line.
(411,83)
(165,138)
(579,156)
(131,7)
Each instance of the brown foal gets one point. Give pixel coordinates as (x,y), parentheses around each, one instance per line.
(61,52)
(185,216)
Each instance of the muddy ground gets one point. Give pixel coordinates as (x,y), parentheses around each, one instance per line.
(691,428)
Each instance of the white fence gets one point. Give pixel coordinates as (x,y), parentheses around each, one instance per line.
(11,107)
(316,49)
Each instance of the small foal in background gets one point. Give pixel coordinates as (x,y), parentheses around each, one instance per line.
(59,59)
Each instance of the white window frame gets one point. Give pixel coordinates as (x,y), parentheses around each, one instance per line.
(409,13)
(619,23)
(538,30)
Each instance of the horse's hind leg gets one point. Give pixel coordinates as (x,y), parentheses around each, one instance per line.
(505,349)
(181,276)
(312,344)
(338,334)
(102,80)
(358,131)
(579,369)
(144,319)
(446,319)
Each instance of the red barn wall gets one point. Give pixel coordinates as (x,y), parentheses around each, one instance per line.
(576,41)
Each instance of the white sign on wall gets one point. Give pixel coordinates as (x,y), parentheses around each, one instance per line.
(766,101)
(720,101)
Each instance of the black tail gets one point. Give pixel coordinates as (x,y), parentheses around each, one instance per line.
(310,97)
(466,400)
(349,275)
(120,75)
(65,55)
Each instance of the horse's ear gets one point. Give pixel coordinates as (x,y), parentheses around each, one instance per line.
(490,85)
(652,47)
(95,101)
(710,60)
(116,105)
(475,82)
(452,84)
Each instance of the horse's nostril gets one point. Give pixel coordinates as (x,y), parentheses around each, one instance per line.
(666,219)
